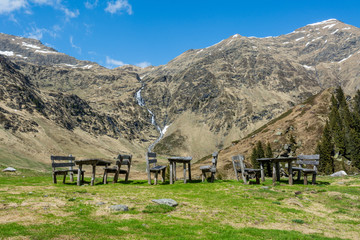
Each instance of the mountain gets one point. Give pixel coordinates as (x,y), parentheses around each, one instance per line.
(213,96)
(201,101)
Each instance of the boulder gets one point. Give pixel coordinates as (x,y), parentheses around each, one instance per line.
(339,174)
(9,169)
(119,207)
(166,201)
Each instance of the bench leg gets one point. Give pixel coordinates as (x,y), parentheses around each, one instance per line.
(203,176)
(305,179)
(149,177)
(126,177)
(71,176)
(163,175)
(156,178)
(105,177)
(116,177)
(212,177)
(298,175)
(257,178)
(64,177)
(314,179)
(82,176)
(54,177)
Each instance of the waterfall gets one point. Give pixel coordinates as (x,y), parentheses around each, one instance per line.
(141,103)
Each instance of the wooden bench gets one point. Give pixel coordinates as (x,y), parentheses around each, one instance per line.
(156,169)
(239,167)
(307,160)
(211,169)
(62,164)
(123,160)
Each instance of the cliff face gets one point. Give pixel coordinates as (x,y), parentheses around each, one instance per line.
(204,98)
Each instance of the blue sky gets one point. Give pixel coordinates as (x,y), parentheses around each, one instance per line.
(144,32)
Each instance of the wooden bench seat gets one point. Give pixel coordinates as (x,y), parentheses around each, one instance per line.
(151,167)
(239,168)
(62,164)
(211,169)
(123,160)
(304,160)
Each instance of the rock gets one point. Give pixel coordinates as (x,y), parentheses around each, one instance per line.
(339,174)
(9,169)
(278,133)
(119,207)
(297,192)
(166,201)
(286,146)
(100,203)
(265,187)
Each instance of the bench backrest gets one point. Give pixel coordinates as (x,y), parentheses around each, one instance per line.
(150,159)
(62,161)
(214,159)
(308,160)
(238,162)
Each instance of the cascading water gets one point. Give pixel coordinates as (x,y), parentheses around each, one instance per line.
(141,103)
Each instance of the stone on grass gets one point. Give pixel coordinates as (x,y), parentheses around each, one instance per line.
(166,201)
(265,187)
(119,207)
(339,174)
(9,169)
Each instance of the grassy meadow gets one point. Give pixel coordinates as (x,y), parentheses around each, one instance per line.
(32,207)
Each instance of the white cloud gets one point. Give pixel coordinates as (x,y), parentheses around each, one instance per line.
(143,64)
(118,6)
(91,4)
(113,62)
(74,46)
(8,6)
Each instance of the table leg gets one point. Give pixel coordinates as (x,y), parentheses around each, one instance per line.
(274,174)
(290,173)
(79,175)
(93,174)
(171,172)
(278,171)
(189,172)
(174,171)
(184,165)
(262,171)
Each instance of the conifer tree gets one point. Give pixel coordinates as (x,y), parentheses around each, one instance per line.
(325,150)
(254,156)
(268,154)
(336,126)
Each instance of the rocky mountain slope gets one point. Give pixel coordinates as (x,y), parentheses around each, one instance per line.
(205,98)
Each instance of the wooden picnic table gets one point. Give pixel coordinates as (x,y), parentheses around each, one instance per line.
(93,162)
(276,167)
(184,161)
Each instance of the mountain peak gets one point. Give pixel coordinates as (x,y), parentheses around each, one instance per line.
(329,21)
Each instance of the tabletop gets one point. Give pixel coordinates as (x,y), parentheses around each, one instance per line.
(180,159)
(91,161)
(278,159)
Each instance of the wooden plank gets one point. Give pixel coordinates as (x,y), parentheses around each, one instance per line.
(152,161)
(151,155)
(60,158)
(307,162)
(312,157)
(55,165)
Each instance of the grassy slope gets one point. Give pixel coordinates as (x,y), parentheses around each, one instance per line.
(32,207)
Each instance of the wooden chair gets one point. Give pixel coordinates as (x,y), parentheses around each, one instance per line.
(239,167)
(69,163)
(307,160)
(211,169)
(122,160)
(156,169)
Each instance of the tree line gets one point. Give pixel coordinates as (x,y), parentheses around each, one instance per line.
(341,135)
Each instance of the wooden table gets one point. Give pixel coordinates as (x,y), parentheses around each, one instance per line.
(93,162)
(276,167)
(184,161)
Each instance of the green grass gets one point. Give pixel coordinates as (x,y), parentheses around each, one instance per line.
(32,207)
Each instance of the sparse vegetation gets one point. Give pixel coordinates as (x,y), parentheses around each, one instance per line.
(34,208)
